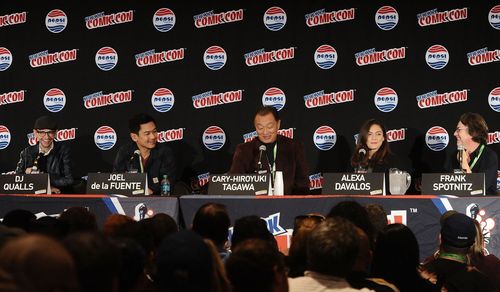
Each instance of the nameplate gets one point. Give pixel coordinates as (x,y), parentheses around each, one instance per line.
(456,184)
(238,184)
(354,183)
(128,184)
(25,183)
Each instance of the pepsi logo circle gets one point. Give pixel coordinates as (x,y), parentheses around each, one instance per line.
(105,138)
(215,58)
(325,57)
(163,19)
(494,99)
(162,100)
(4,137)
(386,99)
(437,138)
(5,59)
(106,58)
(494,17)
(56,21)
(386,17)
(54,100)
(437,57)
(214,138)
(274,97)
(324,138)
(274,18)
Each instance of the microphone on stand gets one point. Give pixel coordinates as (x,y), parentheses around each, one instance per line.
(362,154)
(460,149)
(260,166)
(138,154)
(34,168)
(361,157)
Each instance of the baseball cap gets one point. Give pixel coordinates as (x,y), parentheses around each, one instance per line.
(458,230)
(45,122)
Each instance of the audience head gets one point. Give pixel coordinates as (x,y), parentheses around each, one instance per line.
(478,246)
(78,219)
(212,221)
(114,223)
(458,234)
(248,227)
(132,263)
(160,226)
(357,214)
(20,218)
(377,216)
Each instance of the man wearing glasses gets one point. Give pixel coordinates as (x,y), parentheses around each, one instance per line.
(47,156)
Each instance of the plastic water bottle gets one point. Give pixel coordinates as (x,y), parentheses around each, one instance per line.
(165,186)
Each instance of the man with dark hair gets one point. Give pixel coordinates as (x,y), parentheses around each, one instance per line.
(282,153)
(47,156)
(377,216)
(212,221)
(251,227)
(144,155)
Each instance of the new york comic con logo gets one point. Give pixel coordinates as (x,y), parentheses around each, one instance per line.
(386,17)
(386,99)
(274,18)
(61,135)
(437,57)
(45,58)
(105,138)
(164,19)
(5,59)
(54,100)
(493,138)
(324,138)
(315,181)
(162,100)
(494,99)
(433,17)
(494,17)
(214,138)
(434,99)
(215,58)
(325,57)
(106,58)
(282,132)
(4,137)
(320,98)
(203,178)
(102,19)
(259,57)
(274,97)
(150,57)
(210,18)
(100,99)
(170,135)
(436,138)
(321,17)
(12,19)
(483,56)
(209,99)
(371,56)
(12,97)
(56,21)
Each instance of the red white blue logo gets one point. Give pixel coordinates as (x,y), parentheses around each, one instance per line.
(275,18)
(494,99)
(105,138)
(171,135)
(386,99)
(434,17)
(324,138)
(215,58)
(214,138)
(4,137)
(54,100)
(437,57)
(315,181)
(274,97)
(164,19)
(436,138)
(11,97)
(386,17)
(106,58)
(325,57)
(5,59)
(12,19)
(56,21)
(494,17)
(162,100)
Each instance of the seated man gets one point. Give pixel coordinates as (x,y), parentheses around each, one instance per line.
(282,153)
(47,156)
(155,160)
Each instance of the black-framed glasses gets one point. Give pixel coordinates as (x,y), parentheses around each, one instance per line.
(51,133)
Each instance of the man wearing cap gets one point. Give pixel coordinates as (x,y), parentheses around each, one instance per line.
(47,156)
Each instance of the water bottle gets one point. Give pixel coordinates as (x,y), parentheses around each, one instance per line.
(165,186)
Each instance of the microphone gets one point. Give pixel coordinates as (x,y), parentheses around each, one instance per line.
(361,153)
(34,168)
(460,149)
(262,149)
(361,157)
(138,153)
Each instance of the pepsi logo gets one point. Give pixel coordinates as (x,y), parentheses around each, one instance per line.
(214,138)
(324,138)
(494,17)
(325,57)
(105,138)
(106,58)
(215,58)
(54,100)
(5,59)
(162,100)
(386,18)
(163,19)
(274,18)
(4,137)
(437,57)
(274,97)
(494,99)
(386,99)
(56,21)
(437,138)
